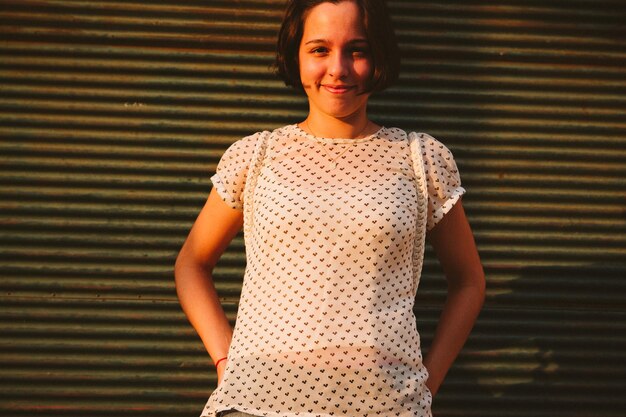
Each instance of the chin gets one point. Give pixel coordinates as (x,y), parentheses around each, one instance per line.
(340,111)
(343,114)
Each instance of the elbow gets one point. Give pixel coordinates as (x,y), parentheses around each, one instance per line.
(179,272)
(476,278)
(471,282)
(179,266)
(187,269)
(183,268)
(480,283)
(482,291)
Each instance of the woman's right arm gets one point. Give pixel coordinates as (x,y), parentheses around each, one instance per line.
(216,225)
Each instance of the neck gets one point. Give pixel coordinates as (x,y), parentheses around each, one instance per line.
(352,127)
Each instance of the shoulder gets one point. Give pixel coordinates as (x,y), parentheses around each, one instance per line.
(426,141)
(245,144)
(243,149)
(254,138)
(429,147)
(432,149)
(393,134)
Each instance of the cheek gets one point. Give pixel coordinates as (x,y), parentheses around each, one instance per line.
(364,69)
(309,70)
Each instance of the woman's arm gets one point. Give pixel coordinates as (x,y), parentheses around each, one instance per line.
(216,225)
(455,248)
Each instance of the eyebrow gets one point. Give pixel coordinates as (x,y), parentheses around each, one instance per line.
(360,40)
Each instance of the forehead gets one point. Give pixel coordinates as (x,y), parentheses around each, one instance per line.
(334,21)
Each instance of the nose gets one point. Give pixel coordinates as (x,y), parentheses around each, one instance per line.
(339,65)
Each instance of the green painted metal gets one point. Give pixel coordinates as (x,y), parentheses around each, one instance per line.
(113,115)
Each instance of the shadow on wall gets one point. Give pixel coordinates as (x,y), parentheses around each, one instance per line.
(549,342)
(525,97)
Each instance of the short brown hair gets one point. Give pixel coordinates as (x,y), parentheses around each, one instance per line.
(378,28)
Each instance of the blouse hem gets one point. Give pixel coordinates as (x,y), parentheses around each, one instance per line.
(266,413)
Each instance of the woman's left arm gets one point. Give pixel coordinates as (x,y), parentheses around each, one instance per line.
(454,245)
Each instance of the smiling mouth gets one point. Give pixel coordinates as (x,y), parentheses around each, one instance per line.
(338,89)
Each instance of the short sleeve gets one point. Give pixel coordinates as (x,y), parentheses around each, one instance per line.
(442,178)
(230,175)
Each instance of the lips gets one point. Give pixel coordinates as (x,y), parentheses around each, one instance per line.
(337,89)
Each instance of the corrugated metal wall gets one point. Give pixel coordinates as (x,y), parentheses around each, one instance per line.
(115,113)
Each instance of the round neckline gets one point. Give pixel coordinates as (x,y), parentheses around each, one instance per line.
(337,140)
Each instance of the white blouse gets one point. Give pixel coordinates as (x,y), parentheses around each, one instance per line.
(325,325)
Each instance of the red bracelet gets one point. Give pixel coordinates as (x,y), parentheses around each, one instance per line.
(218,362)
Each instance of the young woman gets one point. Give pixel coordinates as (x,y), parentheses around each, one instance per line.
(334,226)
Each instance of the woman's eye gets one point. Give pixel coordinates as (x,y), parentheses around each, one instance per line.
(320,50)
(361,52)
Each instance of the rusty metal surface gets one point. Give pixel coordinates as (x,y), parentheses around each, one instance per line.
(113,115)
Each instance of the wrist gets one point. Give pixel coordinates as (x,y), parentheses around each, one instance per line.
(224,359)
(435,379)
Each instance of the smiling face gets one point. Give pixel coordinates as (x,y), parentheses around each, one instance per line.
(334,60)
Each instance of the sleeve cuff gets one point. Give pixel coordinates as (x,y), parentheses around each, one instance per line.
(436,217)
(224,194)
